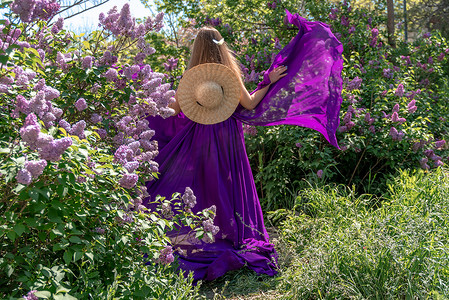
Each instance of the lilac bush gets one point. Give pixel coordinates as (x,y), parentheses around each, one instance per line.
(75,152)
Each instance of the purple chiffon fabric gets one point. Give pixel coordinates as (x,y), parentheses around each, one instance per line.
(212,159)
(310,94)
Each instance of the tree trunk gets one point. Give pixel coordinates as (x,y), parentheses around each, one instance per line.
(390,22)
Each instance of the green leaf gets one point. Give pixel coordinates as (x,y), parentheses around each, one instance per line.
(77,256)
(19,229)
(68,256)
(11,235)
(75,239)
(43,294)
(9,270)
(90,256)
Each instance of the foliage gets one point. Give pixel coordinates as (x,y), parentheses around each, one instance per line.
(75,153)
(344,249)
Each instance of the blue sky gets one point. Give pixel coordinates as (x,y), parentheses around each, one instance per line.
(88,20)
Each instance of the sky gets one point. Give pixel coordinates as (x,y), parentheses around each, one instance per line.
(88,20)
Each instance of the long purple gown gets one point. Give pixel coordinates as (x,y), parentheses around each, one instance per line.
(212,159)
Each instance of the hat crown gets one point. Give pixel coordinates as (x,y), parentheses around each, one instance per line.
(209,94)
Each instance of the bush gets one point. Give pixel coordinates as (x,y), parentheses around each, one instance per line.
(75,153)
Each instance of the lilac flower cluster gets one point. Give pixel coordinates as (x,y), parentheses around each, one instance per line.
(273,4)
(209,227)
(189,198)
(31,296)
(395,134)
(355,83)
(81,104)
(166,256)
(333,13)
(374,36)
(250,130)
(347,120)
(212,21)
(400,90)
(319,174)
(49,149)
(411,106)
(30,10)
(171,64)
(122,24)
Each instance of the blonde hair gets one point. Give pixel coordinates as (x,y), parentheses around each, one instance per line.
(205,50)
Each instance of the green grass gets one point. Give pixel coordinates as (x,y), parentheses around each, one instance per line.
(338,246)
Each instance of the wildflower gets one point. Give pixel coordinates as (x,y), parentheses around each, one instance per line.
(319,173)
(128,180)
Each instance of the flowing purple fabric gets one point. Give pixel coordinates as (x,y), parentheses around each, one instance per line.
(212,159)
(310,94)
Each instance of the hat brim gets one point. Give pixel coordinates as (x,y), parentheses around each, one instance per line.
(218,73)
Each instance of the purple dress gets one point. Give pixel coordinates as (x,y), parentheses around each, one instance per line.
(212,159)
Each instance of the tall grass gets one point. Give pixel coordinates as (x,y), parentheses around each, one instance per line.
(343,247)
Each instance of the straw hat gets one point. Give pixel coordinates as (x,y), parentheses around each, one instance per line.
(209,93)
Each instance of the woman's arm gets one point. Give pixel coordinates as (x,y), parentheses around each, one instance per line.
(175,105)
(250,101)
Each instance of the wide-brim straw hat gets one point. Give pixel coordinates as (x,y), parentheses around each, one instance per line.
(209,93)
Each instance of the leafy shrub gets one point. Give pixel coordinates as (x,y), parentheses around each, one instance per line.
(75,153)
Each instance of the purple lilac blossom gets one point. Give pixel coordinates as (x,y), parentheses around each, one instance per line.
(440,144)
(53,150)
(319,173)
(423,163)
(355,83)
(81,104)
(128,180)
(24,177)
(30,295)
(166,256)
(209,227)
(78,129)
(87,62)
(189,198)
(35,167)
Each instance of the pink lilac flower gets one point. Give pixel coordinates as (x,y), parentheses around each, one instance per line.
(35,167)
(147,134)
(299,145)
(24,8)
(166,256)
(24,177)
(111,74)
(395,117)
(319,173)
(128,180)
(50,93)
(372,129)
(81,104)
(189,198)
(64,124)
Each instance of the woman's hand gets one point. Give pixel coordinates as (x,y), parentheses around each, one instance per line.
(277,74)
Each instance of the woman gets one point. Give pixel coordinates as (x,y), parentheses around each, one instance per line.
(212,161)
